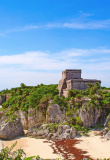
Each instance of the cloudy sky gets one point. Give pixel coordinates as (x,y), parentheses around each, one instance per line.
(40,38)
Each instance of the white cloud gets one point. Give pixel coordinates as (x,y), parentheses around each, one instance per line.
(18,29)
(24,28)
(37,67)
(82,22)
(52,61)
(91,24)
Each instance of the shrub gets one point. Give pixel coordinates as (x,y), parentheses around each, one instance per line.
(89,85)
(44,101)
(108,125)
(72,100)
(70,112)
(70,93)
(53,127)
(7,154)
(92,90)
(25,97)
(79,96)
(76,104)
(75,92)
(76,121)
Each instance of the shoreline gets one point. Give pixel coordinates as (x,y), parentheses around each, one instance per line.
(47,149)
(96,146)
(92,147)
(33,147)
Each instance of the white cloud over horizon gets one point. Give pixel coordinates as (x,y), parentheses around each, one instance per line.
(37,67)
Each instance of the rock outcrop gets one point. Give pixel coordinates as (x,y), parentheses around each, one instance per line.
(2,99)
(108,135)
(54,114)
(32,119)
(107,120)
(2,113)
(10,128)
(51,131)
(36,116)
(91,116)
(23,115)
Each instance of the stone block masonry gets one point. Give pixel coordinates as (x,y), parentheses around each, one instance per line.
(71,79)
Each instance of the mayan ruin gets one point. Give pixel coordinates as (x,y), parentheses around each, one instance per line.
(71,79)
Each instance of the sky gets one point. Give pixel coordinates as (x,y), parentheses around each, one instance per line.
(41,38)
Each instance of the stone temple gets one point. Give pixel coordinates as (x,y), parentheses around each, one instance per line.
(71,79)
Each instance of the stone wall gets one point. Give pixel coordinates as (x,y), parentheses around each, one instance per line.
(61,86)
(80,84)
(71,79)
(71,74)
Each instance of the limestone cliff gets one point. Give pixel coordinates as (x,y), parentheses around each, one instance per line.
(90,116)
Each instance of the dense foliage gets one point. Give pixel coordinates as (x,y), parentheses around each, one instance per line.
(97,96)
(25,97)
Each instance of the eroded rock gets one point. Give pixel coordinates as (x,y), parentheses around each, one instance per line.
(54,114)
(91,116)
(58,133)
(10,129)
(108,135)
(23,115)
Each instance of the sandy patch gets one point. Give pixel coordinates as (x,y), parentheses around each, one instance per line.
(33,147)
(96,146)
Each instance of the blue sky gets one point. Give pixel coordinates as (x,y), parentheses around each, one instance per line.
(40,38)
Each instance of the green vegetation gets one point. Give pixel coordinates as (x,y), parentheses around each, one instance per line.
(8,154)
(75,121)
(11,118)
(25,97)
(105,88)
(108,125)
(70,112)
(52,127)
(98,97)
(38,97)
(77,127)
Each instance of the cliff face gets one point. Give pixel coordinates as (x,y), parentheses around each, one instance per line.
(90,116)
(55,115)
(31,117)
(2,99)
(10,128)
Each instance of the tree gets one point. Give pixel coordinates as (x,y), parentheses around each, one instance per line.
(22,85)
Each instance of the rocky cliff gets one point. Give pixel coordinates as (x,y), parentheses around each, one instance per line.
(90,116)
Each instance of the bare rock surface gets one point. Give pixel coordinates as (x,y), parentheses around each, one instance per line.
(107,120)
(10,129)
(49,131)
(92,116)
(24,118)
(54,114)
(2,99)
(108,135)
